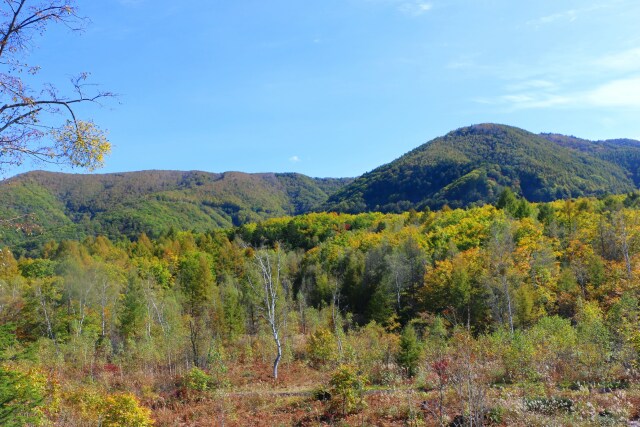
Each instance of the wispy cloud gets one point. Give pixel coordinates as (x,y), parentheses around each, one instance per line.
(617,93)
(628,60)
(570,15)
(535,84)
(294,159)
(607,81)
(408,7)
(415,8)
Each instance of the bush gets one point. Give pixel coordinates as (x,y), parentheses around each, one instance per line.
(321,394)
(124,410)
(347,389)
(322,347)
(548,405)
(494,416)
(198,380)
(22,397)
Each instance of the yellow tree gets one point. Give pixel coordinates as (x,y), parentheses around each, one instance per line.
(39,122)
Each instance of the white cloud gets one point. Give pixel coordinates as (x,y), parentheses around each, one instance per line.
(294,159)
(537,84)
(415,8)
(606,81)
(628,60)
(409,7)
(619,93)
(570,15)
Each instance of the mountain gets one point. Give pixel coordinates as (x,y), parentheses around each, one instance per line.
(75,205)
(471,165)
(622,152)
(468,166)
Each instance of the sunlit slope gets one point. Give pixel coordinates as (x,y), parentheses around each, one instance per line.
(471,165)
(74,205)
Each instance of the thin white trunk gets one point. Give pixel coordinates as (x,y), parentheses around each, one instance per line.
(270,278)
(505,286)
(337,322)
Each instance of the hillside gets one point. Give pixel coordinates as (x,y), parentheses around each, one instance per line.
(532,320)
(75,205)
(622,152)
(471,165)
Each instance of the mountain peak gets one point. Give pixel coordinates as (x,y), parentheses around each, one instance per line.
(471,165)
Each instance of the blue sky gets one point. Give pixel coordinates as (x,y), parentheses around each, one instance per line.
(339,87)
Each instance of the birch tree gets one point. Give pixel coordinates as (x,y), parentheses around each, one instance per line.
(266,282)
(501,269)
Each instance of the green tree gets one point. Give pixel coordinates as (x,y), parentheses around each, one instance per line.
(502,274)
(410,350)
(234,312)
(22,395)
(133,310)
(507,200)
(594,345)
(196,282)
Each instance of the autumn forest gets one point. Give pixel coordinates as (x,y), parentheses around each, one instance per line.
(515,314)
(488,277)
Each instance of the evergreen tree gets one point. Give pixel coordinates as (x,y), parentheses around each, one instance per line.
(410,349)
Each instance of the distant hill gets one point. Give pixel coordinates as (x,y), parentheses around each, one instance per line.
(75,205)
(471,165)
(622,152)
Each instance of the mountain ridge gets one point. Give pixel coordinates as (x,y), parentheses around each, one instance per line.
(471,165)
(129,203)
(466,167)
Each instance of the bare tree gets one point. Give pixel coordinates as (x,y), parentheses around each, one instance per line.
(267,286)
(501,265)
(40,123)
(336,317)
(399,272)
(625,224)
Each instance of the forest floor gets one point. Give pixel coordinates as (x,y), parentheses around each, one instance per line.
(253,398)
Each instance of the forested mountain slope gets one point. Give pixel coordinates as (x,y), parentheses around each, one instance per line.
(471,165)
(622,152)
(74,205)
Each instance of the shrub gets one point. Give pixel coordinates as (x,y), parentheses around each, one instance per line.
(347,389)
(322,347)
(550,405)
(22,397)
(494,416)
(124,410)
(321,394)
(198,380)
